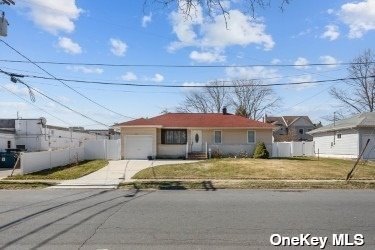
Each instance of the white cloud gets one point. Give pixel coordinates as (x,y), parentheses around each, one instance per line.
(300,63)
(359,16)
(157,78)
(275,61)
(214,33)
(190,86)
(330,11)
(86,70)
(53,16)
(207,57)
(146,20)
(129,76)
(118,47)
(5,106)
(331,32)
(17,89)
(184,28)
(242,30)
(304,78)
(69,46)
(258,72)
(329,60)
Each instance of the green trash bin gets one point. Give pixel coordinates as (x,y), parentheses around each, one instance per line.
(7,160)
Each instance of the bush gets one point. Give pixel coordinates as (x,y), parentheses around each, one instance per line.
(261,151)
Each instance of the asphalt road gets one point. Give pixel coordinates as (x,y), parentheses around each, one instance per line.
(236,219)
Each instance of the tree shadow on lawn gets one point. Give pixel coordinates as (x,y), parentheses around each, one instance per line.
(174,185)
(294,158)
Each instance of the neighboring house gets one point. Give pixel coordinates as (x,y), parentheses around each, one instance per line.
(180,135)
(346,138)
(109,134)
(7,140)
(35,135)
(291,128)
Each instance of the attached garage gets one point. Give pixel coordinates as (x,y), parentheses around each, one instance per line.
(138,146)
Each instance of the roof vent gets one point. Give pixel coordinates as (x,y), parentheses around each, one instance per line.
(225,111)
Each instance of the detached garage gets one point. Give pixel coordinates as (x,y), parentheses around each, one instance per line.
(347,138)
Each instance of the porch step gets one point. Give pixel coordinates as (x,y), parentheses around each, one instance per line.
(197,156)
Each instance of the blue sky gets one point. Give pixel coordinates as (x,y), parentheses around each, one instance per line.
(129,32)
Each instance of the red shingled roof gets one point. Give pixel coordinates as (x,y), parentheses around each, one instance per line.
(198,120)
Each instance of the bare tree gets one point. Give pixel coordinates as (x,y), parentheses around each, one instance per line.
(195,101)
(188,7)
(212,98)
(359,93)
(251,99)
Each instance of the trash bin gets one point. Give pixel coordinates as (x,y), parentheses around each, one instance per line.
(7,160)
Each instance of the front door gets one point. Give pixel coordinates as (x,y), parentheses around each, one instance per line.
(196,140)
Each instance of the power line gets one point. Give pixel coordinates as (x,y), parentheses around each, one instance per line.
(199,86)
(61,104)
(174,82)
(33,104)
(183,66)
(55,78)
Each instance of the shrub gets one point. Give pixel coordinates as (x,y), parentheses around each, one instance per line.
(261,151)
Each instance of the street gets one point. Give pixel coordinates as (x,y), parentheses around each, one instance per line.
(223,219)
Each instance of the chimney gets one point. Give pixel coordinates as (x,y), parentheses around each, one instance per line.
(225,111)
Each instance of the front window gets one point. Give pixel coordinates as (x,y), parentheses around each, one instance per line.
(173,136)
(250,136)
(301,131)
(218,137)
(338,136)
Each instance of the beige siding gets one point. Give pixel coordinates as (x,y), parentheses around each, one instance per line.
(237,136)
(138,131)
(172,151)
(233,140)
(302,122)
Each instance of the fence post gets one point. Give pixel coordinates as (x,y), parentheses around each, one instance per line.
(105,149)
(318,154)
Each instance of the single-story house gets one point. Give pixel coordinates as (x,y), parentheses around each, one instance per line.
(346,138)
(180,135)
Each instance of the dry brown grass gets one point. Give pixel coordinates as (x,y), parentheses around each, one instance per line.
(283,169)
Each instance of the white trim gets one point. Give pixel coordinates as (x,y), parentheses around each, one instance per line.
(247,136)
(221,137)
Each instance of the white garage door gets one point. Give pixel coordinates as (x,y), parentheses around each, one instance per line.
(138,146)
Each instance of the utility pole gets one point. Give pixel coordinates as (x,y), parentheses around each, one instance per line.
(3,21)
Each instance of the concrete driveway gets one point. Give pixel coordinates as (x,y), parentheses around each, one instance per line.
(114,173)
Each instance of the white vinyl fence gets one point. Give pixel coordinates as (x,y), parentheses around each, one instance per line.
(91,150)
(290,149)
(102,149)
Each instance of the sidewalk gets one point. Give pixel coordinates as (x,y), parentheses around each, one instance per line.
(114,173)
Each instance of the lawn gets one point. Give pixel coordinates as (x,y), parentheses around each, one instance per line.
(24,185)
(67,172)
(282,169)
